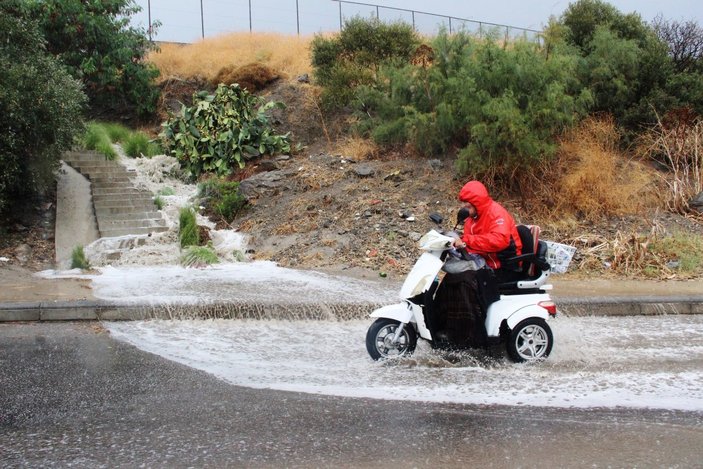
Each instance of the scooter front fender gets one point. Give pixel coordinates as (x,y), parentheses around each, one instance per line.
(401,312)
(405,312)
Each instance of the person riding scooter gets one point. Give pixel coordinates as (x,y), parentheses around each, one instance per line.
(489,231)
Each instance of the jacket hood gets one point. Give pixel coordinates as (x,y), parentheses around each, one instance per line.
(476,194)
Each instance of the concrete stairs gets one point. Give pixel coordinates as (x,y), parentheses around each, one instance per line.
(120,208)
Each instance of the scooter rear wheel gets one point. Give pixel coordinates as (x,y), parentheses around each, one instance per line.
(380,335)
(530,340)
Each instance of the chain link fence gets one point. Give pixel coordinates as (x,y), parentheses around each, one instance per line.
(190,20)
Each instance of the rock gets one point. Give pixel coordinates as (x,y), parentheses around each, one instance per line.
(267,165)
(263,184)
(435,164)
(304,78)
(394,177)
(23,253)
(696,203)
(364,171)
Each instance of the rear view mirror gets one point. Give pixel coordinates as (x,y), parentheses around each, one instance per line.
(462,215)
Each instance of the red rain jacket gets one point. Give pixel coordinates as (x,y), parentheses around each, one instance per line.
(492,229)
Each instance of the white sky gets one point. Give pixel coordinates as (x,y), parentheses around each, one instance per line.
(182,22)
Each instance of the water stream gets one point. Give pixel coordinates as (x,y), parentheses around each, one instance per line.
(654,362)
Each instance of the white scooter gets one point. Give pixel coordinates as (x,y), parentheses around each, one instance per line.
(516,312)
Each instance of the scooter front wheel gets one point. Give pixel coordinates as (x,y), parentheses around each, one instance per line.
(379,339)
(530,340)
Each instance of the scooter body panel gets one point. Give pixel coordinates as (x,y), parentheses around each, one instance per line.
(513,309)
(422,275)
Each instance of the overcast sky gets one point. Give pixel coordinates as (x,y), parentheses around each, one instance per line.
(182,20)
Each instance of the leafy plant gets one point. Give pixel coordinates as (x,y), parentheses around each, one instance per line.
(78,259)
(97,138)
(354,57)
(95,41)
(197,256)
(159,202)
(137,144)
(222,198)
(40,108)
(167,191)
(220,131)
(188,232)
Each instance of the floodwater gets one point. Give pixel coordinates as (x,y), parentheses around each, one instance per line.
(637,362)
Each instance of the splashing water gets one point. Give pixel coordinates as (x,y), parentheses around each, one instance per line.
(654,362)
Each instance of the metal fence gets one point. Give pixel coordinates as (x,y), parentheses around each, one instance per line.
(190,20)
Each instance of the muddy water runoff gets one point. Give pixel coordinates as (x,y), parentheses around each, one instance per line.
(641,362)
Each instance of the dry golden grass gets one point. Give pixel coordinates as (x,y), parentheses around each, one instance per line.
(286,54)
(591,179)
(357,148)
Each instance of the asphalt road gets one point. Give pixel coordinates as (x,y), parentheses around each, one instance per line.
(71,396)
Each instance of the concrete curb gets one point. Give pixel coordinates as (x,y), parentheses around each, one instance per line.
(97,310)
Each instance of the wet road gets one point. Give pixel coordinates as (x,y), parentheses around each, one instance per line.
(71,395)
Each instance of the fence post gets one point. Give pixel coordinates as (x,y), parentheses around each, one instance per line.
(148,9)
(340,16)
(250,30)
(297,17)
(413,20)
(202,21)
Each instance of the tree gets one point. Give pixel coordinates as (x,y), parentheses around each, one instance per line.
(685,42)
(40,107)
(94,39)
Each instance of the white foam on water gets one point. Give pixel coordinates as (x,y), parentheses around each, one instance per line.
(258,281)
(646,362)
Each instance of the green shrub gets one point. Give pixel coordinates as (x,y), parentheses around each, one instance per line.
(219,132)
(99,47)
(353,58)
(78,259)
(500,107)
(188,231)
(167,191)
(97,138)
(40,109)
(159,202)
(684,250)
(222,198)
(197,256)
(118,133)
(138,144)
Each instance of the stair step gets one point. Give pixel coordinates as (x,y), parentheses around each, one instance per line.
(130,231)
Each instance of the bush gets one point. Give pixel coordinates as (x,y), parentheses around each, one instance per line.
(188,232)
(100,48)
(78,259)
(40,108)
(138,144)
(97,138)
(222,198)
(354,57)
(501,108)
(198,256)
(219,132)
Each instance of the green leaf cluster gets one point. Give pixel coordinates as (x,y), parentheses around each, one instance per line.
(95,41)
(222,198)
(353,58)
(501,107)
(188,231)
(629,69)
(220,131)
(40,107)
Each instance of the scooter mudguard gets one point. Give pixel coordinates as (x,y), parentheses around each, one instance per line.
(533,311)
(510,310)
(401,312)
(405,312)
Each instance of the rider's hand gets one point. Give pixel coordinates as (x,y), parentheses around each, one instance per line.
(459,243)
